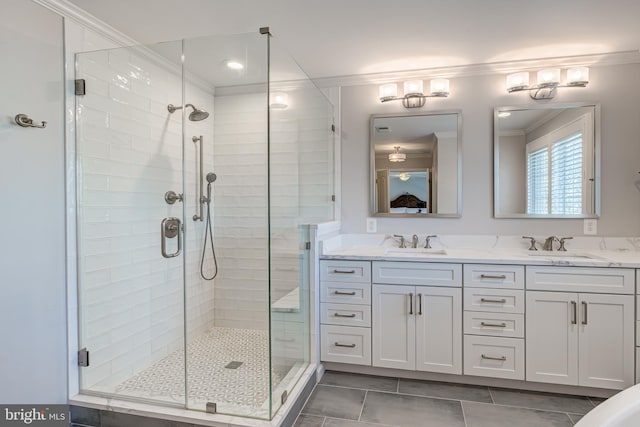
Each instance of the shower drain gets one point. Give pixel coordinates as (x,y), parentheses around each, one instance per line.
(233,365)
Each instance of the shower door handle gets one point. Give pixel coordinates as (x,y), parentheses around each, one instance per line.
(170,228)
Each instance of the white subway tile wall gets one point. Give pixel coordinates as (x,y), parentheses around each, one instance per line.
(129,154)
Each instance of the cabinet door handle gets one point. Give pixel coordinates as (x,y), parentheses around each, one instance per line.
(493,276)
(494,325)
(584,312)
(574,308)
(501,358)
(344,315)
(419,304)
(498,301)
(344,293)
(410,303)
(344,271)
(337,344)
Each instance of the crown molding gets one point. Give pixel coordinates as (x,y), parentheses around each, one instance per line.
(70,11)
(595,60)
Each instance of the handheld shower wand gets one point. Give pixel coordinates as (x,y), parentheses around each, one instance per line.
(208,232)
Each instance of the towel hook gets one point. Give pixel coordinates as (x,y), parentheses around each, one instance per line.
(26,122)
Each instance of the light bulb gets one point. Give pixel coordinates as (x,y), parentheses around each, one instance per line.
(577,76)
(549,77)
(440,87)
(518,81)
(388,91)
(413,87)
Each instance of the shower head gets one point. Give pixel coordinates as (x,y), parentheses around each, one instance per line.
(211,177)
(195,116)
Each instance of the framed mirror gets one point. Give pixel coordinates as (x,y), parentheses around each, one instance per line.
(416,164)
(547,161)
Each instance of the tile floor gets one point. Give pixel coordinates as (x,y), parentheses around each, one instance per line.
(352,400)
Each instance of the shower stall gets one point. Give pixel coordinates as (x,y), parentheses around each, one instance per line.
(200,164)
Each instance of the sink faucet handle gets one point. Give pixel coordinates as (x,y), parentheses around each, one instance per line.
(562,239)
(532,243)
(427,243)
(401,237)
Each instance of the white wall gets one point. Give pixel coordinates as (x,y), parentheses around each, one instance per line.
(32,257)
(617,88)
(513,186)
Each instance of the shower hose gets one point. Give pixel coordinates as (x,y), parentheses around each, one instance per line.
(208,234)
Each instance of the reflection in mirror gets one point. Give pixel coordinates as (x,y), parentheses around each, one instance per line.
(415,164)
(546,161)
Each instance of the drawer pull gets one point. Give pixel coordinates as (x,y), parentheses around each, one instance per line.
(497,301)
(411,303)
(493,276)
(344,271)
(344,315)
(420,304)
(574,308)
(501,358)
(494,325)
(337,344)
(584,312)
(345,293)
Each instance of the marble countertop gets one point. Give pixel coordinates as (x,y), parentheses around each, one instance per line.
(581,252)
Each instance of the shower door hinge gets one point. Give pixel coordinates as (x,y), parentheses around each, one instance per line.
(80,87)
(284,397)
(307,246)
(333,128)
(211,408)
(333,197)
(83,357)
(265,30)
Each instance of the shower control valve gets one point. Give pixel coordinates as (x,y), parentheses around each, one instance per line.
(171,197)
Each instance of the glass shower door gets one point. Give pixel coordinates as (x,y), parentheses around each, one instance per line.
(130,216)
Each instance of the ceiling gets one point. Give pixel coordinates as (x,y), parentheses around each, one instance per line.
(331,38)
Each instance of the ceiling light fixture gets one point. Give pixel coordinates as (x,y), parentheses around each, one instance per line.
(548,81)
(234,65)
(414,96)
(278,100)
(397,156)
(404,176)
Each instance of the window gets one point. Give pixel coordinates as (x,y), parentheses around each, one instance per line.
(557,173)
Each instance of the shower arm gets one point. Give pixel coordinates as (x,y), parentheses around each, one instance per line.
(201,200)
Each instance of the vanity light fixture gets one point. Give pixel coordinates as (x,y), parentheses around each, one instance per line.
(414,96)
(397,156)
(278,100)
(548,81)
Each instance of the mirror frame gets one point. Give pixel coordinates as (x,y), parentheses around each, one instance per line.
(597,153)
(372,165)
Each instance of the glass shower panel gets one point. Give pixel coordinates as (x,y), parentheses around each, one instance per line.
(227,330)
(301,188)
(129,155)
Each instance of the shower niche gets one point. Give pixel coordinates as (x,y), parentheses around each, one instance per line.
(184,131)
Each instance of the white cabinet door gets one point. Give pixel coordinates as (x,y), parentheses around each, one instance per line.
(393,326)
(552,337)
(606,352)
(439,329)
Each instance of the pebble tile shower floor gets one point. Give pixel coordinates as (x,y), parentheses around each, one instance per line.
(245,388)
(352,400)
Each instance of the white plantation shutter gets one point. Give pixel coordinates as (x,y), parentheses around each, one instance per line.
(538,181)
(566,176)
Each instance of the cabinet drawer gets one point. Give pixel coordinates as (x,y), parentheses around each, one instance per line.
(494,300)
(494,357)
(345,314)
(345,271)
(345,344)
(574,279)
(494,276)
(494,324)
(347,293)
(417,273)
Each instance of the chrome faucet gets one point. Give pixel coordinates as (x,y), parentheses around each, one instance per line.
(401,237)
(427,243)
(414,241)
(548,243)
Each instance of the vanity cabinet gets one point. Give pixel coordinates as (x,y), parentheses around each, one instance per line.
(345,311)
(580,338)
(494,321)
(416,326)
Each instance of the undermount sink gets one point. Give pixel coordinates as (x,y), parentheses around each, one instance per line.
(560,254)
(414,251)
